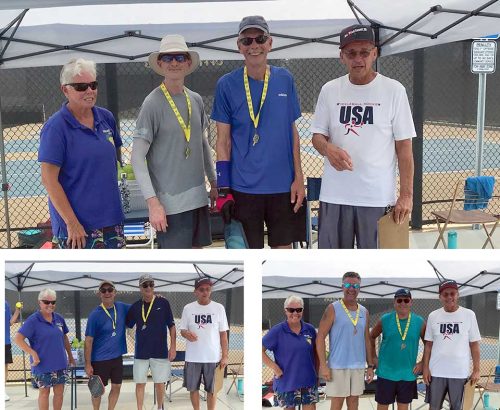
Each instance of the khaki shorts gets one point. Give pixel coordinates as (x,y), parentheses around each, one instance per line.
(160,370)
(346,382)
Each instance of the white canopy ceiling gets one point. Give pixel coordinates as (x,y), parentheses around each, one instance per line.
(300,28)
(381,275)
(171,276)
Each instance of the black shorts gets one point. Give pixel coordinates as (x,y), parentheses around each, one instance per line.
(275,210)
(401,391)
(8,353)
(109,369)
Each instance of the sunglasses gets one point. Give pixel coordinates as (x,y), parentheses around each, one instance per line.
(168,58)
(146,285)
(293,310)
(246,41)
(405,300)
(108,290)
(352,54)
(48,302)
(348,285)
(80,87)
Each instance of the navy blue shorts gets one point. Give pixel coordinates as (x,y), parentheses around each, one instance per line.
(401,391)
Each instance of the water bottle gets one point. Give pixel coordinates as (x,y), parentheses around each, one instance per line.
(452,240)
(497,375)
(486,400)
(124,193)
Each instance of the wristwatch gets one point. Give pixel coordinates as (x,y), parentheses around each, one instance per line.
(371,366)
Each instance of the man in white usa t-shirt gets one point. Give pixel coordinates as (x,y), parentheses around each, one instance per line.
(363,127)
(204,325)
(451,339)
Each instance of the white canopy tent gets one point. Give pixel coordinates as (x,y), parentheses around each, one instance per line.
(111,32)
(170,276)
(381,275)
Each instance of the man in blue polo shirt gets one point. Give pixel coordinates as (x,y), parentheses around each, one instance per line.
(153,319)
(397,367)
(258,146)
(105,342)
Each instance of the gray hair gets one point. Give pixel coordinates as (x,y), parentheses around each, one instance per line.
(354,275)
(46,292)
(75,67)
(293,298)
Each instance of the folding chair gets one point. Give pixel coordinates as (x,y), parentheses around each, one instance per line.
(135,229)
(486,384)
(235,374)
(313,190)
(176,373)
(473,213)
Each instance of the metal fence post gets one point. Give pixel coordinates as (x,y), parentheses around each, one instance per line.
(418,142)
(110,72)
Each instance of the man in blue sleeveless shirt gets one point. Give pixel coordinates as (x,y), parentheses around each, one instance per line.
(397,367)
(346,322)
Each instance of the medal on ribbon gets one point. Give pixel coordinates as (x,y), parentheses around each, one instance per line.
(253,117)
(112,321)
(353,321)
(146,315)
(185,128)
(403,335)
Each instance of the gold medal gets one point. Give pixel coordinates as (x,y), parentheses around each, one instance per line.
(401,333)
(253,117)
(256,139)
(146,315)
(187,152)
(403,346)
(355,330)
(353,321)
(108,314)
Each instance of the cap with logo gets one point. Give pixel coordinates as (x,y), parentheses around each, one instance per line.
(202,281)
(448,284)
(403,292)
(145,278)
(253,22)
(357,32)
(106,282)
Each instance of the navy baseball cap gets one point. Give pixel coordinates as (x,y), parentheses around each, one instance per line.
(448,284)
(403,292)
(202,281)
(357,32)
(253,22)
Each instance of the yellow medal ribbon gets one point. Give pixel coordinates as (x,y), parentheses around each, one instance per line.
(180,120)
(255,119)
(145,317)
(106,311)
(354,321)
(403,335)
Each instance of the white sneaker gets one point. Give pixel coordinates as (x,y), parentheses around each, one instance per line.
(7,398)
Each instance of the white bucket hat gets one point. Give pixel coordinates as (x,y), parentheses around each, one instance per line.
(173,43)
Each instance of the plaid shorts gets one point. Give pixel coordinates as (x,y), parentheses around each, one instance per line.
(47,380)
(110,237)
(305,395)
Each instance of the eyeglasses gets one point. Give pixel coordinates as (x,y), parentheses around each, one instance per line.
(246,41)
(405,300)
(146,285)
(348,285)
(352,54)
(80,87)
(48,302)
(108,290)
(293,310)
(168,58)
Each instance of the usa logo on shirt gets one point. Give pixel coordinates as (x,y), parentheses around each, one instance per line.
(308,339)
(109,135)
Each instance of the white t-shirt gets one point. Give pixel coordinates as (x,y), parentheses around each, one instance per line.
(451,333)
(365,121)
(207,321)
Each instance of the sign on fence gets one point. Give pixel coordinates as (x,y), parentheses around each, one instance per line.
(483,56)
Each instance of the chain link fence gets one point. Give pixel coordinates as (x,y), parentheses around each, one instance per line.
(441,89)
(75,307)
(482,304)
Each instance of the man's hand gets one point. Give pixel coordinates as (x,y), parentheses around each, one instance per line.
(89,370)
(71,360)
(213,197)
(225,204)
(369,375)
(426,376)
(76,235)
(297,193)
(418,368)
(324,373)
(172,352)
(157,215)
(474,377)
(338,158)
(36,359)
(191,336)
(402,208)
(223,362)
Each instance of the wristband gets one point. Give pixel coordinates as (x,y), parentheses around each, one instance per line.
(223,169)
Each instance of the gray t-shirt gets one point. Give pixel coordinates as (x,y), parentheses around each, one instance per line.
(177,181)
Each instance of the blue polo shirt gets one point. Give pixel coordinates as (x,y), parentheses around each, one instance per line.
(294,354)
(88,173)
(47,339)
(105,346)
(7,323)
(267,167)
(151,343)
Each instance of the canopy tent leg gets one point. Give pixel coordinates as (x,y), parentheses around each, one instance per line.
(5,185)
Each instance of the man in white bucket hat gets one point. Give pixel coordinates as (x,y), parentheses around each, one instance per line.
(171,154)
